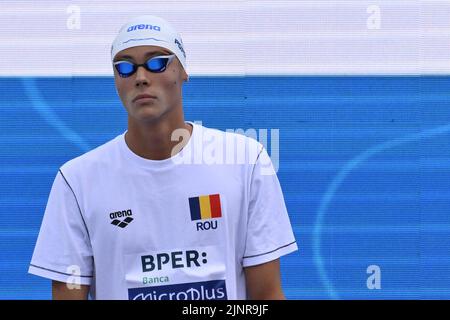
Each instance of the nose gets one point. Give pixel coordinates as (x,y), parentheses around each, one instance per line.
(142,77)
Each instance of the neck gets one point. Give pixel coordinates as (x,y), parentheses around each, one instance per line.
(153,140)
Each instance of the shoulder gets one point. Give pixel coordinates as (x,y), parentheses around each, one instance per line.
(238,141)
(93,160)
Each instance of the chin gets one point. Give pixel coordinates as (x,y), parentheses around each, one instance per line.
(147,115)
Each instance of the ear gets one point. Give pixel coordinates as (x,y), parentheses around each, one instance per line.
(185,76)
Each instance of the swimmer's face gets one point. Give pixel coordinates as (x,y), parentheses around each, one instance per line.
(165,87)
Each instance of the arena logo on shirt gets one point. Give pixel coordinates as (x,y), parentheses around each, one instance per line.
(119,214)
(206,290)
(205,208)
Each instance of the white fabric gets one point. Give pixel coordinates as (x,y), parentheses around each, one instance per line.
(151,31)
(113,183)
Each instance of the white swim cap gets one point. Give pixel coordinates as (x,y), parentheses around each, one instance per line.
(149,31)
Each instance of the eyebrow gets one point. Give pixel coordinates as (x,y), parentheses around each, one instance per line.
(148,54)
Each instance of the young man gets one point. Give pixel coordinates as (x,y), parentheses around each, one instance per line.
(140,217)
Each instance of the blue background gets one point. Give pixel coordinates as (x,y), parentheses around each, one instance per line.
(364,166)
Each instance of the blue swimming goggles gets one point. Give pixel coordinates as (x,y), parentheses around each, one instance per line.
(156,64)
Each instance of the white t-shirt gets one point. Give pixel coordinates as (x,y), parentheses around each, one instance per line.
(181,228)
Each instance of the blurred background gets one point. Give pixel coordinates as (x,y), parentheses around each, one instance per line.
(359,90)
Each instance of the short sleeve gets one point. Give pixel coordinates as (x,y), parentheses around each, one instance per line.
(63,248)
(269,231)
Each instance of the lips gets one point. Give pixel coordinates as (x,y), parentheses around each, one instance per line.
(141,96)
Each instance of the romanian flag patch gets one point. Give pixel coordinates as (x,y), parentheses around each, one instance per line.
(205,207)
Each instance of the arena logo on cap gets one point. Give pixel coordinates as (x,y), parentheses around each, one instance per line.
(144,26)
(180,46)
